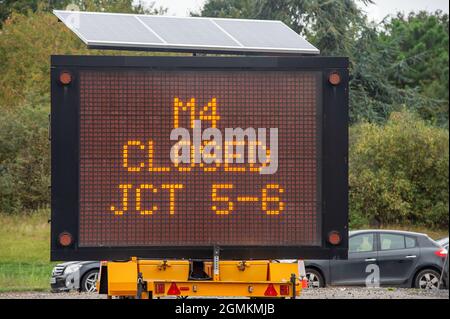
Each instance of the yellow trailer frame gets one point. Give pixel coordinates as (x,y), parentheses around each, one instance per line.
(143,278)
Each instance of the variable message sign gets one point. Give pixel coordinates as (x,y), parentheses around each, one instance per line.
(169,157)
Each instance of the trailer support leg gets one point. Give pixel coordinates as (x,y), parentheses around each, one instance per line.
(141,286)
(294,293)
(216,274)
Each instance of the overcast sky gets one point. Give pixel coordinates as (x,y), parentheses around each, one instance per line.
(378,11)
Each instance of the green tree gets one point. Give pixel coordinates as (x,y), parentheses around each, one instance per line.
(26,43)
(24,159)
(399,172)
(122,6)
(420,43)
(373,93)
(7,7)
(330,25)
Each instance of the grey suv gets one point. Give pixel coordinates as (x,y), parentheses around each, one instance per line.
(400,258)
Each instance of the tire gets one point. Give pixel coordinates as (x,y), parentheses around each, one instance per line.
(89,280)
(427,279)
(315,278)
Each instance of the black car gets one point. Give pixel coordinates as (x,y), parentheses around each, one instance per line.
(382,257)
(77,275)
(444,243)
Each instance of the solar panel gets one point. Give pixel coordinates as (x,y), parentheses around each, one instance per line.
(264,34)
(189,31)
(189,34)
(119,28)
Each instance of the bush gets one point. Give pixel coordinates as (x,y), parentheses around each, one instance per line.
(399,172)
(26,43)
(24,159)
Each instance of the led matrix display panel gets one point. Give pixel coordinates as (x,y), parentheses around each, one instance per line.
(116,192)
(132,194)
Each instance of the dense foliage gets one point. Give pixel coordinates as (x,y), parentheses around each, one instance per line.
(8,7)
(26,43)
(398,98)
(399,172)
(420,59)
(24,159)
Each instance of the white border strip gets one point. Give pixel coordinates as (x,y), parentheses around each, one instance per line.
(150,29)
(223,30)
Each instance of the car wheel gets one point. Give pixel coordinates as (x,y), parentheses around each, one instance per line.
(88,284)
(315,279)
(427,279)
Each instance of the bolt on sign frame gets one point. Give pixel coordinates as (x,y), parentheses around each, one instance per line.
(116,194)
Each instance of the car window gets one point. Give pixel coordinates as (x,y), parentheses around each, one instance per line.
(361,243)
(391,241)
(410,242)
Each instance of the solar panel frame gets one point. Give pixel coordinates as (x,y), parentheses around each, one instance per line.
(164,45)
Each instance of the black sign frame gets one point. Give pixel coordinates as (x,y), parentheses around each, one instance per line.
(65,109)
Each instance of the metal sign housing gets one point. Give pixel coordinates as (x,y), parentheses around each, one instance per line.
(116,194)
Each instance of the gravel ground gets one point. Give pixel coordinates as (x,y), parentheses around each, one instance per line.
(321,293)
(49,295)
(372,293)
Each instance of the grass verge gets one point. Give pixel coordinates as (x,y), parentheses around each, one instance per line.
(25,252)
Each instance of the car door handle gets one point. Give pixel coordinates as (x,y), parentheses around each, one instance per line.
(370,259)
(410,256)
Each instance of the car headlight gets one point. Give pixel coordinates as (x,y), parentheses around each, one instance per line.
(71,269)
